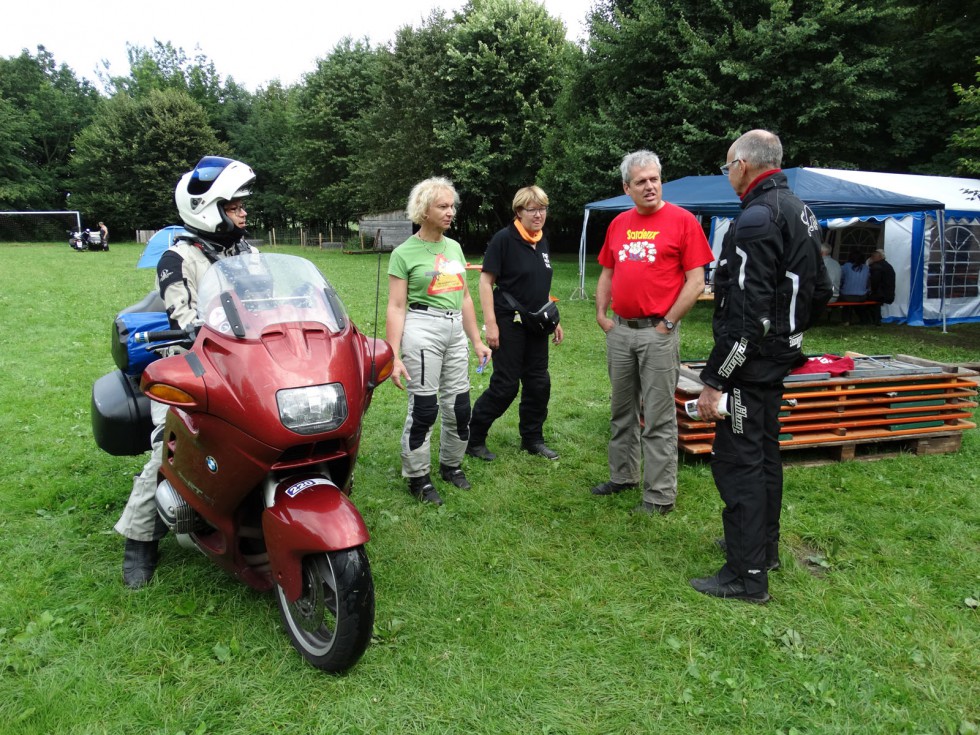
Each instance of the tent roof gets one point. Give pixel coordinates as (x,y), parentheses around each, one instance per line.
(157,245)
(959,195)
(827,196)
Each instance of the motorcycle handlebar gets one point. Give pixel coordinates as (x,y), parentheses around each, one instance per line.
(164,335)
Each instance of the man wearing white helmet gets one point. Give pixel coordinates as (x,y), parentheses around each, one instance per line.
(210,202)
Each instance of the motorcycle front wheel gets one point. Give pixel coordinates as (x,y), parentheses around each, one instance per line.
(332,621)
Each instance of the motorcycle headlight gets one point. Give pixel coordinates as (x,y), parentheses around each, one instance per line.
(312,410)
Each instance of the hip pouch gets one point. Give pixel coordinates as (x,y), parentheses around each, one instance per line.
(541,322)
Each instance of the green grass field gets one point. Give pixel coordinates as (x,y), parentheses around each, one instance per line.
(525,605)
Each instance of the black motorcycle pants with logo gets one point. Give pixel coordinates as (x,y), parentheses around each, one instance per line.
(748,471)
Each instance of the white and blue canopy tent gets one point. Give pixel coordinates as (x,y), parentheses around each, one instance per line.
(929,227)
(158,245)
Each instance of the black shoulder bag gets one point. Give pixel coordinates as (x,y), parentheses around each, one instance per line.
(540,323)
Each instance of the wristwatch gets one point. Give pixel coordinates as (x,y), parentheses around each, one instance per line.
(668,323)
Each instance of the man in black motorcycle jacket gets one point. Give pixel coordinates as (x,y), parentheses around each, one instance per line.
(209,200)
(769,286)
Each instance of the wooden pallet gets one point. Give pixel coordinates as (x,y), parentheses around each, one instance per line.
(885,406)
(829,449)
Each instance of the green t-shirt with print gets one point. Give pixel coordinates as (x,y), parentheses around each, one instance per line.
(435,272)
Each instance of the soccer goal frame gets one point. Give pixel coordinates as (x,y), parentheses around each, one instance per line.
(56,212)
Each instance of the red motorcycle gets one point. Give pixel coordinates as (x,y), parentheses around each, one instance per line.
(260,443)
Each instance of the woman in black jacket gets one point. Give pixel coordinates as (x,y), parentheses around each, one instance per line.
(516,279)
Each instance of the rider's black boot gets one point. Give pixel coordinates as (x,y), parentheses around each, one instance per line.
(139,562)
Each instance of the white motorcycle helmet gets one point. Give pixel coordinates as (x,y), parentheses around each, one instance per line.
(203,192)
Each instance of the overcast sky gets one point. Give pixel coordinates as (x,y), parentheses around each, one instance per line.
(254,42)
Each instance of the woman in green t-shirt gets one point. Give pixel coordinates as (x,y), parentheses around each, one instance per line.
(430,314)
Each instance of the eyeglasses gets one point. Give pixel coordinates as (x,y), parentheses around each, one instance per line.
(727,167)
(235,209)
(535,212)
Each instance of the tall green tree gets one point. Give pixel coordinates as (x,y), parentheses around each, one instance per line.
(684,77)
(846,84)
(965,141)
(128,161)
(165,66)
(397,146)
(470,97)
(582,148)
(232,111)
(18,188)
(263,142)
(933,47)
(46,106)
(329,105)
(506,62)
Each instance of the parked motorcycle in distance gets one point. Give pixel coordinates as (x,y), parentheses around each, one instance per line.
(261,441)
(83,240)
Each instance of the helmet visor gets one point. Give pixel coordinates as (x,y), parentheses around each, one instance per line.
(207,170)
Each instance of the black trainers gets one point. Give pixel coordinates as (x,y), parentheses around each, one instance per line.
(651,508)
(771,564)
(540,449)
(139,562)
(423,489)
(480,451)
(734,590)
(611,488)
(454,475)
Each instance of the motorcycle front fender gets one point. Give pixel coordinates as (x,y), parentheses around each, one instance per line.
(308,515)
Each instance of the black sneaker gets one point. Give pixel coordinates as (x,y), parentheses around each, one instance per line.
(771,564)
(454,475)
(651,508)
(480,451)
(540,449)
(611,488)
(734,590)
(423,489)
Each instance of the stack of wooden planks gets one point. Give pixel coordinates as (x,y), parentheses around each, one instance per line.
(900,402)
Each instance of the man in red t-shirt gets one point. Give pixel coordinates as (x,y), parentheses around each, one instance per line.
(652,274)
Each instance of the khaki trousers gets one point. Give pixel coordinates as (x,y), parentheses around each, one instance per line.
(643,369)
(139,520)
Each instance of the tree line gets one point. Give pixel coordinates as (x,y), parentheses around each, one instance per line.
(494,97)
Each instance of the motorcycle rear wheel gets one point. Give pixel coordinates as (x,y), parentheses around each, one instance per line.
(332,621)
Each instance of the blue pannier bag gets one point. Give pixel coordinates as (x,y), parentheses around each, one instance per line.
(130,357)
(146,316)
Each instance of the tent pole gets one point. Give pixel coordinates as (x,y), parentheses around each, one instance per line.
(941,221)
(579,293)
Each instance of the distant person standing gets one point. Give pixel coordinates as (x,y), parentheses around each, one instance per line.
(769,284)
(833,270)
(881,284)
(652,263)
(854,286)
(104,233)
(517,263)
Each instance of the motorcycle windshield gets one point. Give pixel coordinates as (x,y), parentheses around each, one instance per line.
(245,294)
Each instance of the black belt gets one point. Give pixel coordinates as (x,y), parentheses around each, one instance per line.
(641,323)
(425,307)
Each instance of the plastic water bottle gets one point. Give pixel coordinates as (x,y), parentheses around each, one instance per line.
(691,407)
